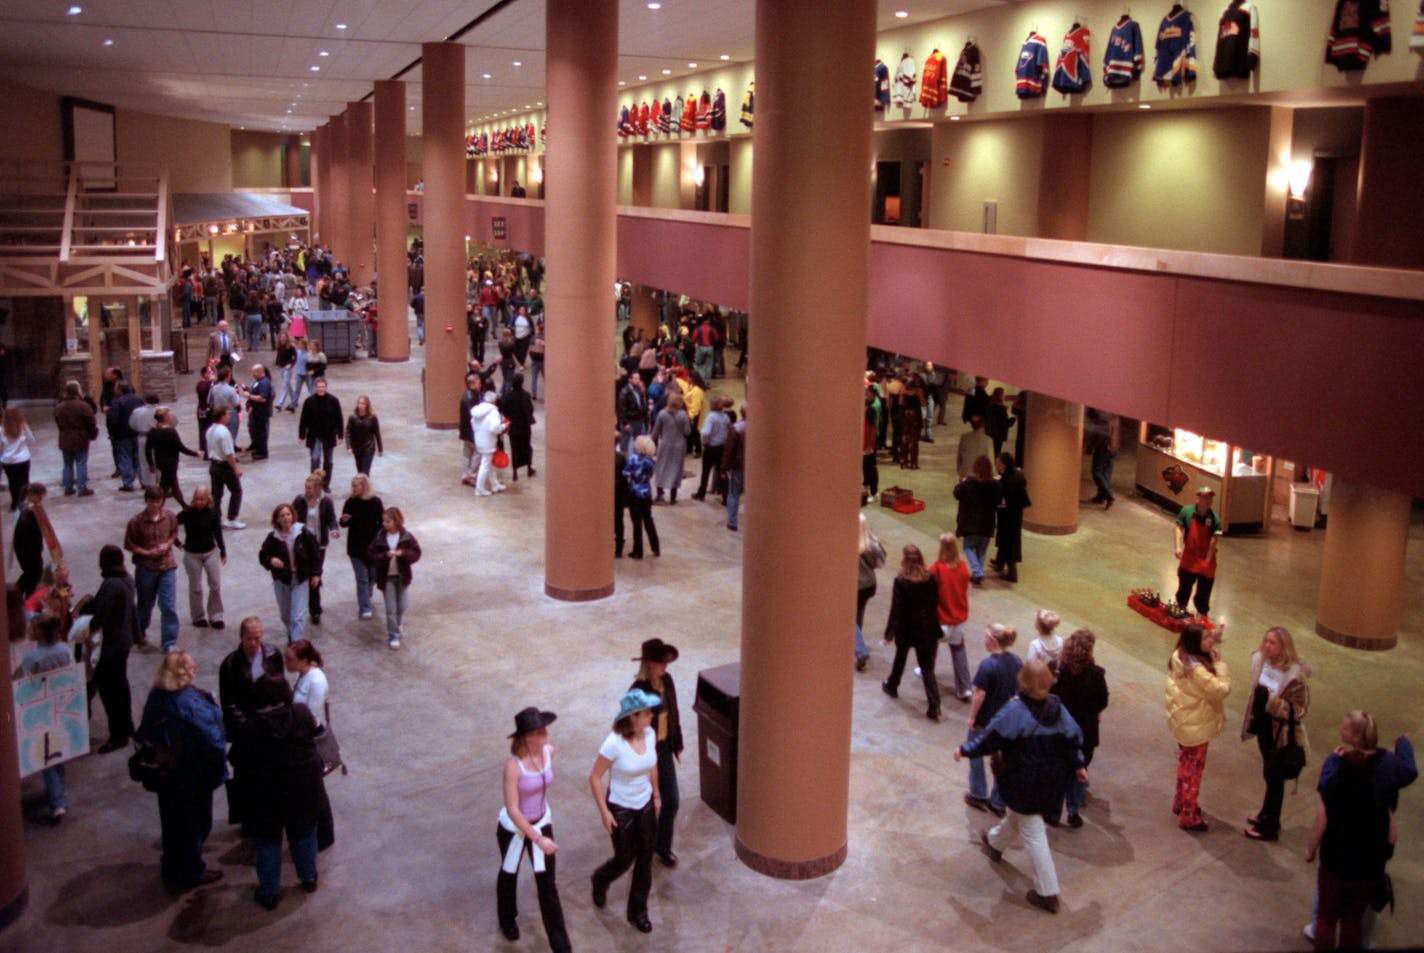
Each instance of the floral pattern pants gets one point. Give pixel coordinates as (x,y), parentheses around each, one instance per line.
(1191,761)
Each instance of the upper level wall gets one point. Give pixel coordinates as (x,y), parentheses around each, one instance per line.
(33,128)
(258,160)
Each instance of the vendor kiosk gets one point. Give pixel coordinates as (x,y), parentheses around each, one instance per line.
(1173,463)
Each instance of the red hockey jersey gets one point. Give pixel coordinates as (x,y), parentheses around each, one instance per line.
(934,81)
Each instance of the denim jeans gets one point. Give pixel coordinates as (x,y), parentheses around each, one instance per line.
(284,386)
(292,607)
(978,782)
(1102,473)
(1034,834)
(294,388)
(76,470)
(159,585)
(396,601)
(321,453)
(269,859)
(127,458)
(860,650)
(735,482)
(54,787)
(536,371)
(974,549)
(252,323)
(364,579)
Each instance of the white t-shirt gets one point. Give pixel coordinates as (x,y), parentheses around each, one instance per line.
(310,690)
(1272,679)
(629,784)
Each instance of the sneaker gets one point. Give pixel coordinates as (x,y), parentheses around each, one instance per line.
(234,524)
(393,644)
(366,614)
(57,815)
(483,493)
(218,624)
(1075,821)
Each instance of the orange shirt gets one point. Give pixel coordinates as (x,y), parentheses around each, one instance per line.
(953,583)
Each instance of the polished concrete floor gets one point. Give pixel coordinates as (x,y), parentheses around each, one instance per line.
(424,731)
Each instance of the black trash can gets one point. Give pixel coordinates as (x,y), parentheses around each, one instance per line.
(718,699)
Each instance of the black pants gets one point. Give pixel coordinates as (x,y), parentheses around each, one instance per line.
(326,452)
(711,460)
(620,506)
(633,836)
(1203,585)
(925,653)
(549,906)
(1268,819)
(111,682)
(17,475)
(168,480)
(641,509)
(224,477)
(257,428)
(314,592)
(187,818)
(670,797)
(870,474)
(862,596)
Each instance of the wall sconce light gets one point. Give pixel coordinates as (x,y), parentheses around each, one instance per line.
(1298,185)
(537,175)
(212,229)
(699,176)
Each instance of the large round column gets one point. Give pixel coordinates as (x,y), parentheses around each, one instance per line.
(581,223)
(393,333)
(809,268)
(14,879)
(337,213)
(446,340)
(361,177)
(321,180)
(1362,573)
(643,312)
(1053,444)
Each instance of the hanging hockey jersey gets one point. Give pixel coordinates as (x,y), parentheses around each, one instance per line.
(882,86)
(529,136)
(625,126)
(704,111)
(968,80)
(903,92)
(934,81)
(1359,31)
(676,124)
(1032,71)
(1074,72)
(1123,60)
(1416,42)
(1176,49)
(1238,41)
(645,119)
(665,117)
(689,113)
(749,105)
(719,111)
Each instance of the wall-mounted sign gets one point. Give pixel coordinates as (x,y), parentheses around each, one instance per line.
(499,225)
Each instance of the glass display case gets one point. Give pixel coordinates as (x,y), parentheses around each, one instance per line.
(1173,463)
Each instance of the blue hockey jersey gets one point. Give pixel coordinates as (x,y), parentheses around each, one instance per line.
(1073,72)
(1032,69)
(1123,59)
(1176,50)
(882,86)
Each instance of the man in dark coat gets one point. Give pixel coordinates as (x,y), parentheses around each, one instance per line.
(976,402)
(320,428)
(251,662)
(123,437)
(75,420)
(114,612)
(1014,487)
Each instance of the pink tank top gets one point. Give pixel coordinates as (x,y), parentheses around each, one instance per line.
(533,786)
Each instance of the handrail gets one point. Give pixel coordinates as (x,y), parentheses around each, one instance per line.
(71,197)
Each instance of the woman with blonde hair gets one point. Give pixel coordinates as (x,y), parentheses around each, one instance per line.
(670,431)
(17,446)
(361,518)
(1280,697)
(639,472)
(204,555)
(392,552)
(872,557)
(951,573)
(913,625)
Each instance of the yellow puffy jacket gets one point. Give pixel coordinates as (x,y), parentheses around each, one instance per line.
(1196,700)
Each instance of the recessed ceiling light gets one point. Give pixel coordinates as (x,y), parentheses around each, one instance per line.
(341,26)
(108,42)
(692,66)
(486,75)
(725,56)
(622,82)
(954,119)
(289,112)
(642,76)
(74,11)
(902,14)
(412,109)
(539,104)
(316,69)
(667,72)
(518,62)
(1144,106)
(655,5)
(322,53)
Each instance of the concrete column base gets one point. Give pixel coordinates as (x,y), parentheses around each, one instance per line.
(789,869)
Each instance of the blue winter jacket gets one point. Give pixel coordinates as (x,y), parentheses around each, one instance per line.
(1042,747)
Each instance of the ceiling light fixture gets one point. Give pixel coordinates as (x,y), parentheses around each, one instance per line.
(518,62)
(725,56)
(902,14)
(108,42)
(486,75)
(1144,106)
(74,11)
(341,26)
(642,76)
(692,66)
(316,69)
(622,82)
(667,72)
(322,53)
(655,5)
(954,119)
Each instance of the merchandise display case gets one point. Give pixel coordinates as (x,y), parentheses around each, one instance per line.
(1172,463)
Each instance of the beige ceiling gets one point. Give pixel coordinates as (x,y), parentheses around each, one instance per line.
(250,64)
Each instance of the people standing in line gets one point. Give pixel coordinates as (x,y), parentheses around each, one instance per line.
(124,437)
(150,537)
(632,411)
(913,625)
(630,806)
(997,421)
(162,449)
(994,684)
(114,612)
(1082,686)
(290,554)
(361,518)
(639,474)
(363,435)
(951,574)
(1354,831)
(223,395)
(517,407)
(50,654)
(204,555)
(223,471)
(1197,685)
(1046,647)
(734,463)
(1104,441)
(285,361)
(186,721)
(1198,531)
(315,510)
(394,550)
(526,827)
(259,411)
(979,497)
(32,535)
(973,445)
(1040,743)
(285,787)
(670,431)
(78,427)
(1013,489)
(487,426)
(714,440)
(320,428)
(1280,698)
(871,557)
(251,662)
(654,679)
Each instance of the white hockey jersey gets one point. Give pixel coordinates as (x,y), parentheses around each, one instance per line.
(906,77)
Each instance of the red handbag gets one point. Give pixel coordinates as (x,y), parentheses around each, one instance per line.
(501,459)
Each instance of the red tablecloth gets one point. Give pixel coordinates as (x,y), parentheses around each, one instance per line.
(1158,614)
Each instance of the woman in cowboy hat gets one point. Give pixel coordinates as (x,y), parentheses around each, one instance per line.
(526,826)
(629,809)
(654,679)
